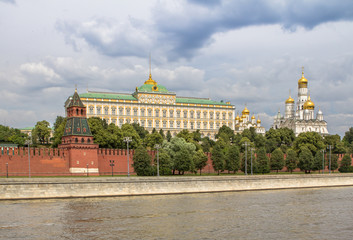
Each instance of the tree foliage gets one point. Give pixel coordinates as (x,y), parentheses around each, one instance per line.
(346,164)
(277,160)
(291,160)
(311,140)
(232,159)
(12,135)
(41,132)
(305,160)
(218,159)
(59,128)
(200,160)
(263,163)
(142,162)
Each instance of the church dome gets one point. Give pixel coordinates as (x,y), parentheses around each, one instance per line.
(290,100)
(258,120)
(240,120)
(302,82)
(237,117)
(253,117)
(245,111)
(309,104)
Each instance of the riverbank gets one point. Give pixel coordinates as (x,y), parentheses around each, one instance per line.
(42,188)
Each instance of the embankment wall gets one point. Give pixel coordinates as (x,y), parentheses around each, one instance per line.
(40,188)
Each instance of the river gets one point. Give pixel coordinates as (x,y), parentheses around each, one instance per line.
(319,213)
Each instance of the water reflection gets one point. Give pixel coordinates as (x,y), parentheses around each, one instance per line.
(288,214)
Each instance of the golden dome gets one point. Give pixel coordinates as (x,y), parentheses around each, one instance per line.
(258,120)
(151,81)
(290,100)
(240,120)
(253,117)
(243,116)
(245,111)
(302,82)
(309,104)
(237,117)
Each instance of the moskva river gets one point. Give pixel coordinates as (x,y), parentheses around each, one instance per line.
(321,213)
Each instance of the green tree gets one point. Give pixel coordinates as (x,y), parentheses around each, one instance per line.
(227,132)
(128,131)
(348,137)
(232,159)
(277,160)
(278,137)
(58,131)
(247,156)
(200,160)
(263,163)
(58,121)
(12,135)
(291,160)
(99,131)
(165,163)
(312,140)
(334,162)
(317,163)
(169,136)
(152,139)
(141,131)
(161,132)
(218,159)
(305,160)
(41,132)
(186,135)
(335,142)
(142,162)
(346,163)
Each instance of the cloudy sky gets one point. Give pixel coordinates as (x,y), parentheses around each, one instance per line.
(246,51)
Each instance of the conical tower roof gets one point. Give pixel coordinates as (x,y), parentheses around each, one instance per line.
(76,101)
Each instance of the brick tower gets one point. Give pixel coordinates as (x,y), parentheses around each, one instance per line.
(78,139)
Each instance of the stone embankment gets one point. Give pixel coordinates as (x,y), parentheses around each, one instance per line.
(41,188)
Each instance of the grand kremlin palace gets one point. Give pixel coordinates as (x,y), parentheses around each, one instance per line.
(153,106)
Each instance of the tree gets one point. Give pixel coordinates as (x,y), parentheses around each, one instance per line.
(334,162)
(152,139)
(58,131)
(228,133)
(186,135)
(218,160)
(278,137)
(141,131)
(312,140)
(200,160)
(277,160)
(263,163)
(12,135)
(232,159)
(169,136)
(58,122)
(335,142)
(98,129)
(41,132)
(128,131)
(165,163)
(317,163)
(346,163)
(248,156)
(161,132)
(291,160)
(142,162)
(207,144)
(305,160)
(348,136)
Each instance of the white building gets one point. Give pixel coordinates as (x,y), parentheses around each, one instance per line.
(245,122)
(301,118)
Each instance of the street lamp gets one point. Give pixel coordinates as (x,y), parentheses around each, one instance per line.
(323,160)
(246,144)
(157,146)
(112,165)
(252,149)
(329,168)
(127,140)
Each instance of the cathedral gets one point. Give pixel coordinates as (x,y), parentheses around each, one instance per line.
(301,118)
(245,122)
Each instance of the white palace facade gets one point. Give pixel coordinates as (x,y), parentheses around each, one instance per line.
(301,118)
(153,106)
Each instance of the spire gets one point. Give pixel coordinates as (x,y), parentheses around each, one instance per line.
(302,71)
(150,80)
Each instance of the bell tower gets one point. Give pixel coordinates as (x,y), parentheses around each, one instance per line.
(78,139)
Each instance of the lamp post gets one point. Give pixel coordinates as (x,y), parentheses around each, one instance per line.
(87,169)
(127,140)
(323,160)
(112,165)
(251,149)
(7,170)
(157,146)
(329,166)
(246,144)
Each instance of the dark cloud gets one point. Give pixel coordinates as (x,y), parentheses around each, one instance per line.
(191,27)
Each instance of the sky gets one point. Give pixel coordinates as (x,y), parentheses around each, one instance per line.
(248,52)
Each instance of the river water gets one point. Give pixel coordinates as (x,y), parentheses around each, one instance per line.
(321,213)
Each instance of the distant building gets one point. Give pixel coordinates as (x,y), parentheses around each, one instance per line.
(245,122)
(153,106)
(301,118)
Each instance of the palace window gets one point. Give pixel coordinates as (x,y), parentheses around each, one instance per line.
(157,112)
(135,111)
(121,122)
(217,125)
(113,110)
(142,112)
(198,125)
(191,114)
(121,111)
(224,116)
(164,113)
(99,110)
(157,123)
(185,114)
(128,110)
(143,123)
(230,115)
(211,115)
(178,113)
(106,110)
(217,115)
(204,125)
(149,112)
(171,124)
(90,109)
(135,121)
(164,124)
(178,124)
(192,125)
(198,115)
(204,114)
(185,124)
(128,120)
(211,125)
(171,112)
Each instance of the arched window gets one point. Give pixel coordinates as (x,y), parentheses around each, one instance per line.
(76,139)
(82,140)
(89,140)
(76,111)
(81,111)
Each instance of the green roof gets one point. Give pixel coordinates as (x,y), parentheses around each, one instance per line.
(118,96)
(77,126)
(76,101)
(199,101)
(148,88)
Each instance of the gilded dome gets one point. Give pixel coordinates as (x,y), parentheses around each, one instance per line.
(302,82)
(240,120)
(237,117)
(309,104)
(253,117)
(258,120)
(290,100)
(245,111)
